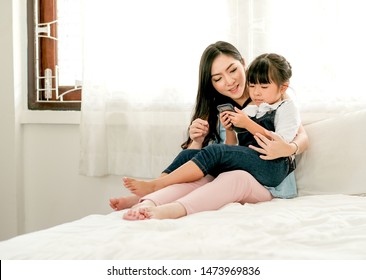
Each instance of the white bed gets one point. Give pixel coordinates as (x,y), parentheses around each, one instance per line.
(310,227)
(326,221)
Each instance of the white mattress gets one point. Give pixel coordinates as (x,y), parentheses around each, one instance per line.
(308,227)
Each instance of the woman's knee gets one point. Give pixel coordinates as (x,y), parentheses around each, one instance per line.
(244,186)
(237,175)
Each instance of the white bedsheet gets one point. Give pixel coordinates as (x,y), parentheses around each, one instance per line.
(308,227)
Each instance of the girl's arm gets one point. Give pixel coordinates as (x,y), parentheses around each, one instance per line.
(273,146)
(242,120)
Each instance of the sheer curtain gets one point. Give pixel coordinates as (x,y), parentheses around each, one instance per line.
(140,73)
(141,66)
(324,42)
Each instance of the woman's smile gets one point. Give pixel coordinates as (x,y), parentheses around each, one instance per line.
(234,89)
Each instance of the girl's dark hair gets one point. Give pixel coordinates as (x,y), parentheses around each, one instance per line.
(207,96)
(269,68)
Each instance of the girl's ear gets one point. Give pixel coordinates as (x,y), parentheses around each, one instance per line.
(284,87)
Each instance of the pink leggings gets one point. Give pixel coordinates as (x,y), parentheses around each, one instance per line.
(211,193)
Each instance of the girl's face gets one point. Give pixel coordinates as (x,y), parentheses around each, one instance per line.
(268,93)
(228,77)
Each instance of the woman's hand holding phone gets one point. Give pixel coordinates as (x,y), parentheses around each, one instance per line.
(224,109)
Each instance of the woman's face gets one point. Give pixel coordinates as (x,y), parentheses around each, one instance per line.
(228,77)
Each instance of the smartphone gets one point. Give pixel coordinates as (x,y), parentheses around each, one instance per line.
(228,107)
(225,107)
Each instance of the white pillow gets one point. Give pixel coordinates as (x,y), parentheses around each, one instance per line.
(335,162)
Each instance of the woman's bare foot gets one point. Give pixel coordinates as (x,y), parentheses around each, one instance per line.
(172,210)
(138,187)
(134,214)
(123,202)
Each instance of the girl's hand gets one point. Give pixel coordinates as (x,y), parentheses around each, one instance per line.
(225,120)
(198,130)
(238,118)
(271,147)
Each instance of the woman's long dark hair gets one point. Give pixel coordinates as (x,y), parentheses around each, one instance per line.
(207,96)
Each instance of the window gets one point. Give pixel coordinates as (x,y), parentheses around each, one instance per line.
(54,81)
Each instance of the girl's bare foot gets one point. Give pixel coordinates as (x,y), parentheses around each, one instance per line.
(123,202)
(139,188)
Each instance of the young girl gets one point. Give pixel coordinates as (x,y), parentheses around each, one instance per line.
(268,78)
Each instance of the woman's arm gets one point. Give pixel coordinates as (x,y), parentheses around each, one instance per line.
(278,147)
(230,134)
(231,138)
(301,140)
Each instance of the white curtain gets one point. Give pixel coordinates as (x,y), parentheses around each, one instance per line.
(140,74)
(324,42)
(141,67)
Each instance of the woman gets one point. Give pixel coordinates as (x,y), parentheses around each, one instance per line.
(268,79)
(220,82)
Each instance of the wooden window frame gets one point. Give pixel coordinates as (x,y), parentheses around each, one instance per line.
(47,57)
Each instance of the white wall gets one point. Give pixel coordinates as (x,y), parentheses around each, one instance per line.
(39,183)
(8,126)
(53,190)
